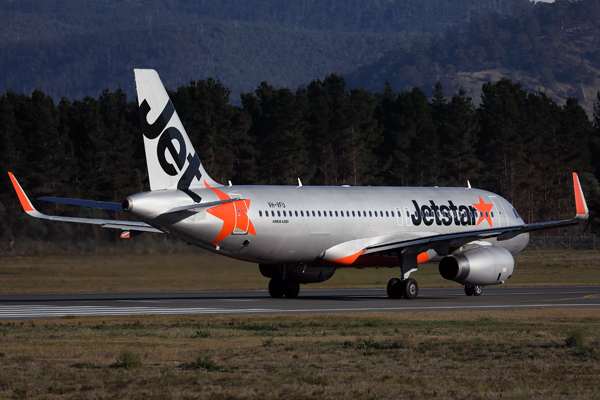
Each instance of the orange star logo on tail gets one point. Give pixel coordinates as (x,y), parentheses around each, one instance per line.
(484,211)
(234,215)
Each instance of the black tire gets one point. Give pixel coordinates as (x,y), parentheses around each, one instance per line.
(276,288)
(291,288)
(410,289)
(394,288)
(469,290)
(477,290)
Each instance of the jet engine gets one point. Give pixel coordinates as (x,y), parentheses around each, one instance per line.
(489,265)
(299,272)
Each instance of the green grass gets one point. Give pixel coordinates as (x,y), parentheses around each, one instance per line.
(473,354)
(194,269)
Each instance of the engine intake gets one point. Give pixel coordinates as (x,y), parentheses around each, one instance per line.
(490,265)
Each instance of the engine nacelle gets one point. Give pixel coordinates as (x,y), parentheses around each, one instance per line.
(489,265)
(301,273)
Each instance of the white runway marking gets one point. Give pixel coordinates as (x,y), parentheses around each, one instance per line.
(38,311)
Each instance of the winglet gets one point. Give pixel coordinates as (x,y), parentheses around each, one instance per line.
(582,208)
(27,206)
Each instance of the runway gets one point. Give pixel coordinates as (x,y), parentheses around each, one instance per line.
(44,305)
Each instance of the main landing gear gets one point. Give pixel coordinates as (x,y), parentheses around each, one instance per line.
(405,287)
(408,288)
(289,288)
(473,290)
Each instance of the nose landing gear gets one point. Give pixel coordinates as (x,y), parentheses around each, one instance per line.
(471,290)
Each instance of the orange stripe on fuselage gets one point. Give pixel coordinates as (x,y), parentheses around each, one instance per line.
(347,260)
(22,197)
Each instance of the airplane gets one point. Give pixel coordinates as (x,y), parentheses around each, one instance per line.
(303,234)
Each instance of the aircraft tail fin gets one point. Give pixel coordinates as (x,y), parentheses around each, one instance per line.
(171,158)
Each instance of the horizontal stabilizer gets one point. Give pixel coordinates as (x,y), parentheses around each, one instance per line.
(106,223)
(103,205)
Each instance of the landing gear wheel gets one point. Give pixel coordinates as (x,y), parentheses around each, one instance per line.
(394,288)
(291,288)
(469,290)
(410,289)
(477,290)
(276,288)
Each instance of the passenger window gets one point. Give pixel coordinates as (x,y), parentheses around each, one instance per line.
(319,212)
(302,213)
(336,214)
(278,214)
(296,212)
(486,214)
(347,213)
(272,213)
(364,213)
(284,214)
(491,212)
(331,214)
(353,214)
(313,213)
(260,213)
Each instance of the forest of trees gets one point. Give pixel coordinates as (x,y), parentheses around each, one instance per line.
(519,144)
(556,45)
(76,48)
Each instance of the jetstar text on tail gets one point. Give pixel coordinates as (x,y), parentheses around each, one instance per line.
(452,214)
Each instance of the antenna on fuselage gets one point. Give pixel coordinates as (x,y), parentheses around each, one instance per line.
(230,185)
(468,184)
(299,183)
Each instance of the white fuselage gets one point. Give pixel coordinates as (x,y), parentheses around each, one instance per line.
(287,225)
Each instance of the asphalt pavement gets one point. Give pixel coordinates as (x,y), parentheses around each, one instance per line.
(44,305)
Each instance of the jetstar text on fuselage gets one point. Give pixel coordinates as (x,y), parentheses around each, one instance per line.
(451,214)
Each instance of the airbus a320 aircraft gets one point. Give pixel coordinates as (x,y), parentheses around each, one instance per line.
(301,235)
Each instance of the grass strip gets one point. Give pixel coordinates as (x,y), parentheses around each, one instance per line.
(544,353)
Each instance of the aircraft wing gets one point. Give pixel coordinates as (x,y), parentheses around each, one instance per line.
(105,223)
(458,239)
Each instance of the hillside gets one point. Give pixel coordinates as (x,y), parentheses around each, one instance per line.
(77,48)
(553,48)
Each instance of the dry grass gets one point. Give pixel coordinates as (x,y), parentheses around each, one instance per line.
(518,354)
(195,269)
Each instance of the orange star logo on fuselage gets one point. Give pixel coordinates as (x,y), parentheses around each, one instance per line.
(485,211)
(234,215)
